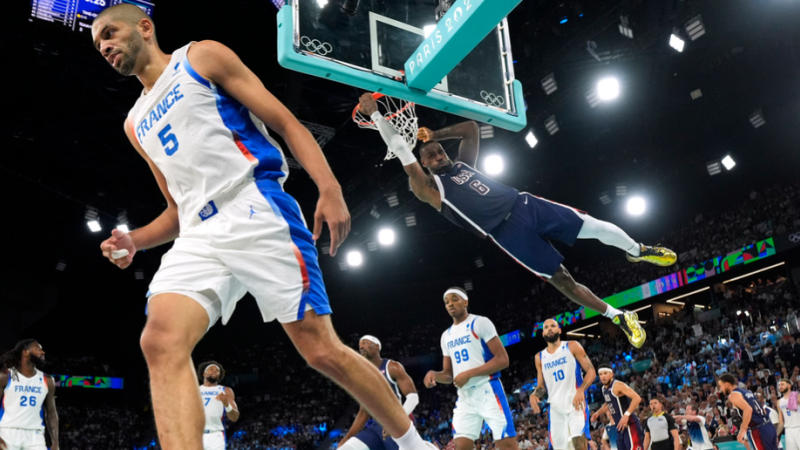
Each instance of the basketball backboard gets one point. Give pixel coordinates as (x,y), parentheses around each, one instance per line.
(366,43)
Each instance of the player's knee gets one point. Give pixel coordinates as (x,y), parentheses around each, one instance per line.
(563,280)
(159,344)
(324,359)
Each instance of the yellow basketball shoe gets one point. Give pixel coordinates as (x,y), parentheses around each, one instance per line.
(660,256)
(628,322)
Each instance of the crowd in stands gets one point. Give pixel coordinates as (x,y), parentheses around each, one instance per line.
(752,330)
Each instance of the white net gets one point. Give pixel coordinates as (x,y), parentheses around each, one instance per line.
(400,114)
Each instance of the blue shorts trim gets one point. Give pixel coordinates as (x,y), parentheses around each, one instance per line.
(531,225)
(314,293)
(500,394)
(372,437)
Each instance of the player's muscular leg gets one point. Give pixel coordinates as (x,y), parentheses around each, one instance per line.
(579,443)
(175,323)
(508,443)
(578,293)
(463,443)
(318,343)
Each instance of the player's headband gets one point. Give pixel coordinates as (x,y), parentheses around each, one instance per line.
(371,338)
(605,369)
(456,291)
(212,365)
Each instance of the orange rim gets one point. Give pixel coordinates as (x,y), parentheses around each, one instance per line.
(376,96)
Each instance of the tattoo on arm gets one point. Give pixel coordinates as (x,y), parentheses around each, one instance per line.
(540,392)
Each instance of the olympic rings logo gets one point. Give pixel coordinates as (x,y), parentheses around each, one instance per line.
(492,99)
(316,46)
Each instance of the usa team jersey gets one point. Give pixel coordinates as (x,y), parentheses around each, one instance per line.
(384,369)
(562,375)
(23,399)
(472,200)
(759,416)
(465,345)
(616,405)
(213,407)
(205,142)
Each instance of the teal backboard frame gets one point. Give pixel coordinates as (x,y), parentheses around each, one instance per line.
(291,57)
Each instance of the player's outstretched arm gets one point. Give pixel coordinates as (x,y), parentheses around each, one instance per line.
(51,414)
(468,132)
(222,66)
(406,385)
(600,411)
(540,393)
(357,426)
(590,374)
(498,362)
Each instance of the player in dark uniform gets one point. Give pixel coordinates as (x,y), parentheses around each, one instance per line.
(756,427)
(365,433)
(519,223)
(621,402)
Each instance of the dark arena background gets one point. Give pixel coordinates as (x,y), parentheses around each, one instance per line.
(704,140)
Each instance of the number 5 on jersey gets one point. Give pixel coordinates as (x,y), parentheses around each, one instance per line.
(168,140)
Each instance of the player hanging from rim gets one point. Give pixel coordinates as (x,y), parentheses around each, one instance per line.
(28,399)
(755,429)
(519,223)
(218,402)
(560,379)
(372,436)
(472,358)
(621,402)
(201,124)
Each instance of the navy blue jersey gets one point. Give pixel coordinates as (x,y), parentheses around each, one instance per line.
(385,372)
(616,405)
(472,200)
(759,416)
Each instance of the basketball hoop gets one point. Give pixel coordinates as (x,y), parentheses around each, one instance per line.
(400,114)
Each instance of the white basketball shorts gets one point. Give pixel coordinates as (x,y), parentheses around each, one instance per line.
(214,440)
(565,426)
(23,439)
(483,402)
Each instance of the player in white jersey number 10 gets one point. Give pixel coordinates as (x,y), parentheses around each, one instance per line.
(27,399)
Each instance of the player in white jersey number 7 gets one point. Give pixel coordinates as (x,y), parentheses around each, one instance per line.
(201,124)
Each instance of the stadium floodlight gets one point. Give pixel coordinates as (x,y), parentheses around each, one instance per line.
(551,125)
(530,138)
(625,27)
(123,227)
(728,162)
(355,258)
(549,84)
(411,220)
(322,3)
(386,237)
(493,164)
(757,119)
(608,89)
(92,220)
(695,28)
(392,200)
(713,168)
(636,206)
(676,42)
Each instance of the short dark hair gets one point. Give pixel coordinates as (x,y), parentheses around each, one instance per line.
(728,378)
(201,369)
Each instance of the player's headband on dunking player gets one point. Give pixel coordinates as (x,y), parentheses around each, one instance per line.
(605,368)
(458,291)
(371,338)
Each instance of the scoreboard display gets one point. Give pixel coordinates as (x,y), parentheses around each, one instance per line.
(78,15)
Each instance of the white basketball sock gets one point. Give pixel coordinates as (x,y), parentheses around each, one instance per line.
(607,233)
(410,440)
(611,312)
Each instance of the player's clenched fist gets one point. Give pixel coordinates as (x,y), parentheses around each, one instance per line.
(119,249)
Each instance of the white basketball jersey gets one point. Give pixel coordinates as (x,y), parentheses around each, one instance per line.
(213,407)
(465,345)
(205,142)
(791,419)
(23,399)
(562,375)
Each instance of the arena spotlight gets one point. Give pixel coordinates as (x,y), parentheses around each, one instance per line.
(695,28)
(531,139)
(322,3)
(625,27)
(728,162)
(354,258)
(676,42)
(549,84)
(551,125)
(636,206)
(124,228)
(92,220)
(608,89)
(493,164)
(386,237)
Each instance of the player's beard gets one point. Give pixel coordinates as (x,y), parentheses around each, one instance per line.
(444,169)
(212,380)
(37,362)
(552,338)
(131,54)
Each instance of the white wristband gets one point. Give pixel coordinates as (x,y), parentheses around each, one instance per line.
(229,408)
(412,400)
(393,139)
(627,413)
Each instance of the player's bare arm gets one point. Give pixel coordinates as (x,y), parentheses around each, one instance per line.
(599,412)
(222,66)
(739,401)
(398,373)
(51,414)
(162,229)
(422,184)
(444,376)
(468,132)
(590,374)
(540,393)
(358,425)
(229,401)
(498,362)
(621,389)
